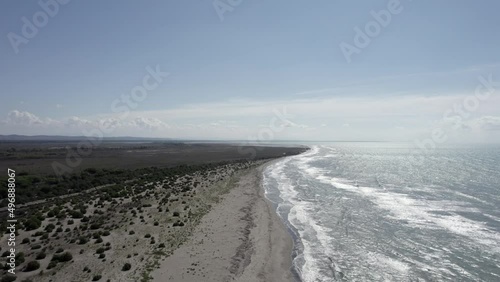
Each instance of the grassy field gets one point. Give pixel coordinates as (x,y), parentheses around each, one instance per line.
(39,174)
(39,157)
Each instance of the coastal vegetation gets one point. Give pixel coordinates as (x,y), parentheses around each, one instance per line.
(125,208)
(119,222)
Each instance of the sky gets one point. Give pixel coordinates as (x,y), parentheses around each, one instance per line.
(252,70)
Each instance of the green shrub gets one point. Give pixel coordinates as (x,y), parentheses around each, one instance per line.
(76,214)
(127,266)
(52,264)
(32,265)
(8,278)
(38,233)
(19,258)
(41,255)
(32,223)
(67,256)
(82,240)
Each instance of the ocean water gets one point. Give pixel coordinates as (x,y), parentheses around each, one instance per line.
(380,212)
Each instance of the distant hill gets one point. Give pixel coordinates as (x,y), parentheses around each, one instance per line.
(15,137)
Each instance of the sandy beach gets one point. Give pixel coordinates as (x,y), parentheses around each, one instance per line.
(197,222)
(240,239)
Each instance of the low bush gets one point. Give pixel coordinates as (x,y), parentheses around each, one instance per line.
(127,266)
(32,265)
(67,256)
(41,255)
(52,264)
(9,278)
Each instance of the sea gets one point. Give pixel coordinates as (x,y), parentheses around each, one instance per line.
(390,212)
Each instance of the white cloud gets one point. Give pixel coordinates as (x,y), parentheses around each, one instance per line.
(77,122)
(381,118)
(289,123)
(148,123)
(488,122)
(111,123)
(23,118)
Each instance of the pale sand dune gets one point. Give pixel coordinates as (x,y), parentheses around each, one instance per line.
(240,239)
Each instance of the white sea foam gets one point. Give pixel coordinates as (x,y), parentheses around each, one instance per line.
(302,219)
(470,197)
(420,212)
(424,212)
(306,227)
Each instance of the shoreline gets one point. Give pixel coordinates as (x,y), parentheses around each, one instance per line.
(292,232)
(242,238)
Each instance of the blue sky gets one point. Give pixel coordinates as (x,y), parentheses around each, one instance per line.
(229,74)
